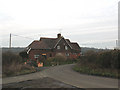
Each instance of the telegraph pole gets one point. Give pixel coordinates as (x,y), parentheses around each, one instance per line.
(118,43)
(10,41)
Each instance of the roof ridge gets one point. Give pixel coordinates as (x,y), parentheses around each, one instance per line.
(49,43)
(73,42)
(36,40)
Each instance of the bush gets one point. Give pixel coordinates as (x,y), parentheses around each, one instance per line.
(16,69)
(32,63)
(59,60)
(105,63)
(106,59)
(13,64)
(23,54)
(9,57)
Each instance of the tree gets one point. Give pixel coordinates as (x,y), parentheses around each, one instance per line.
(23,54)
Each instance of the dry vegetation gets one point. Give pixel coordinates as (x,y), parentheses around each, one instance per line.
(13,64)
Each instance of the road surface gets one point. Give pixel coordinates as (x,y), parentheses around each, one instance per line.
(65,74)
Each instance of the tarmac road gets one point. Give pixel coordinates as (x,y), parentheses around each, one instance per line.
(64,73)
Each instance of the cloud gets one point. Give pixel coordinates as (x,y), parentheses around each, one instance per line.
(5,18)
(45,17)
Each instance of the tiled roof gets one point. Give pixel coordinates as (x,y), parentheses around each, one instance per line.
(75,46)
(38,45)
(49,43)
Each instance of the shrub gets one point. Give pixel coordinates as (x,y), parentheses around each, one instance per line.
(9,57)
(60,58)
(50,61)
(23,54)
(106,59)
(16,68)
(12,64)
(32,63)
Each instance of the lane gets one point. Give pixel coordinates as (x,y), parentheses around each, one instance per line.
(65,74)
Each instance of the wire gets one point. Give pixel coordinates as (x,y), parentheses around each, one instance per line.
(21,36)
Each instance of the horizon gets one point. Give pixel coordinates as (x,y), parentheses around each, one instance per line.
(80,47)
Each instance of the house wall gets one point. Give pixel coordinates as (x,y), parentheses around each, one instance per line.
(50,53)
(72,53)
(62,45)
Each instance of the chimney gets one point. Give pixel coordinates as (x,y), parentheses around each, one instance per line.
(58,35)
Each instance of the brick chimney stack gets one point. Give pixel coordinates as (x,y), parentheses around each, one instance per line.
(58,35)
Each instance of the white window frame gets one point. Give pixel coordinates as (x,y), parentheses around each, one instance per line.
(66,47)
(36,56)
(58,47)
(28,50)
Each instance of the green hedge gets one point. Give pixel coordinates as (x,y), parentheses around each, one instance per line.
(104,59)
(97,71)
(104,63)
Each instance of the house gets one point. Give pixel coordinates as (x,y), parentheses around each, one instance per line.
(50,47)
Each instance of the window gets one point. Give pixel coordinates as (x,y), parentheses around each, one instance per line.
(67,54)
(58,47)
(36,56)
(44,56)
(66,48)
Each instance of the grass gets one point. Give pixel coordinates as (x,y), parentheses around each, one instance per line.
(15,69)
(98,71)
(25,72)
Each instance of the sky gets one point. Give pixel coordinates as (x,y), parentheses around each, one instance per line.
(91,23)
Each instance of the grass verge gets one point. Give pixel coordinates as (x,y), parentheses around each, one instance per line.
(16,69)
(97,72)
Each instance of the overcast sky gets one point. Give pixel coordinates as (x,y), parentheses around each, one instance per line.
(91,23)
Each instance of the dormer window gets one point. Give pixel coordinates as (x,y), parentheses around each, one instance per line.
(66,48)
(58,47)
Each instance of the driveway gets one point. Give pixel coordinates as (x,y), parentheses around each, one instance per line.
(64,73)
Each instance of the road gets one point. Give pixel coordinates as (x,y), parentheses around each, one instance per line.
(65,74)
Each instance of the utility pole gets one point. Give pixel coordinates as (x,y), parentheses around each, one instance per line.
(116,43)
(10,41)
